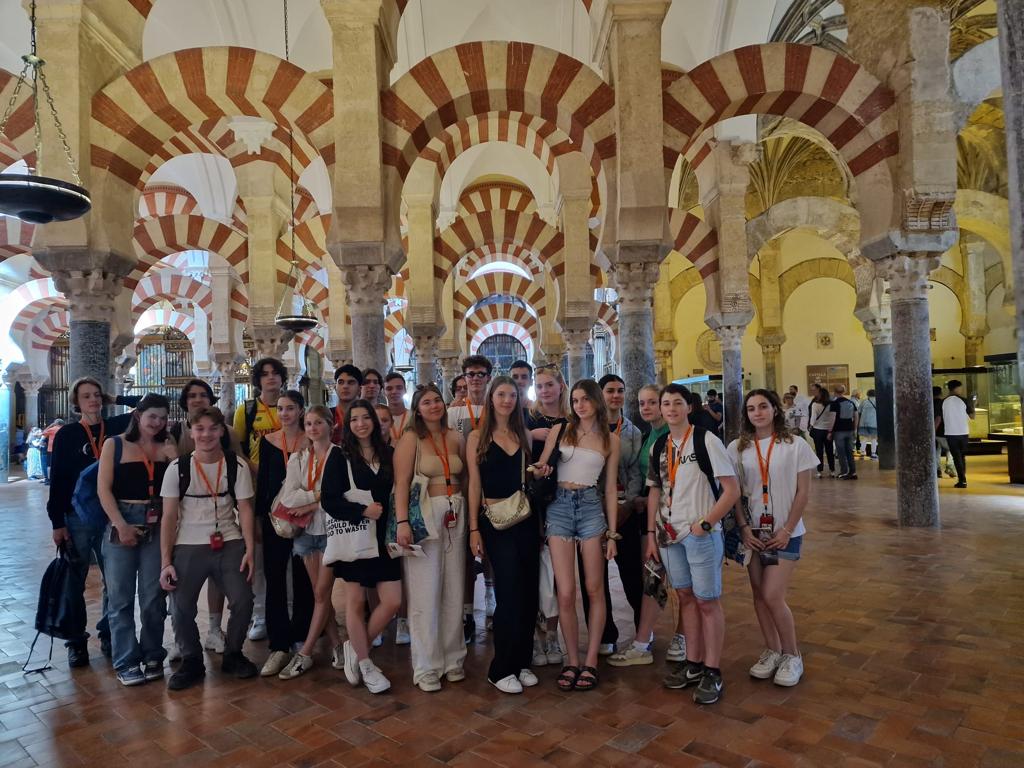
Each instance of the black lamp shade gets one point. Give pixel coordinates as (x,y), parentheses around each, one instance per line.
(40,200)
(296,323)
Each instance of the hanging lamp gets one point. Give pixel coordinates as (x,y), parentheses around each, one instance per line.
(287,319)
(32,198)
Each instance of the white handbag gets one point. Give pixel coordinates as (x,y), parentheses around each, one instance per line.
(348,541)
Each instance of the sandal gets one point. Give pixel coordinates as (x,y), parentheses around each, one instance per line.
(568,678)
(586,683)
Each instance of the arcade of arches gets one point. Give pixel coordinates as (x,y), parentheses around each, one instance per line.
(758,189)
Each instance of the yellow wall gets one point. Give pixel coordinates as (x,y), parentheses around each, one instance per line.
(944,317)
(688,325)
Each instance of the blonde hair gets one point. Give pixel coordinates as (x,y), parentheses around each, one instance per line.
(593,393)
(563,398)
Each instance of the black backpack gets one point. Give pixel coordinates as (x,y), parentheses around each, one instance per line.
(59,613)
(185,474)
(700,448)
(250,419)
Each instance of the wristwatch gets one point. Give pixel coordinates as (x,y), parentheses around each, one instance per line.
(613,535)
(705,525)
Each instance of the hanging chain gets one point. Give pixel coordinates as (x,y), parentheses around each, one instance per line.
(35,64)
(291,165)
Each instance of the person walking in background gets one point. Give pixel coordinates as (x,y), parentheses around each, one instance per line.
(716,410)
(822,419)
(955,419)
(844,427)
(867,425)
(943,461)
(46,453)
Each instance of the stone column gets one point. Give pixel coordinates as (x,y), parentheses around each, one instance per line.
(973,350)
(6,389)
(576,347)
(917,496)
(1010,17)
(226,374)
(32,385)
(365,286)
(270,340)
(635,283)
(880,334)
(974,323)
(426,357)
(663,361)
(449,369)
(771,341)
(90,296)
(731,339)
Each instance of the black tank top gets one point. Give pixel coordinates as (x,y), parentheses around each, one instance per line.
(501,475)
(132,482)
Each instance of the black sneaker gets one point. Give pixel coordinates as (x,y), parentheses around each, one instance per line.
(684,675)
(105,647)
(468,628)
(189,673)
(957,485)
(236,664)
(78,655)
(710,688)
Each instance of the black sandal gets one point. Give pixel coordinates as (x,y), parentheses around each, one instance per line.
(568,678)
(586,683)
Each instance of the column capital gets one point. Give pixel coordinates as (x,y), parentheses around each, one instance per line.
(576,340)
(365,285)
(90,294)
(771,337)
(907,274)
(253,132)
(270,340)
(339,353)
(730,337)
(31,384)
(878,330)
(634,282)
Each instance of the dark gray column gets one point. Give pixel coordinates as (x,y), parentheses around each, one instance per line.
(1010,16)
(731,338)
(917,495)
(365,287)
(884,400)
(635,285)
(90,350)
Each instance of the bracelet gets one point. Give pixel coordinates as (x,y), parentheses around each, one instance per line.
(613,535)
(787,530)
(474,530)
(402,521)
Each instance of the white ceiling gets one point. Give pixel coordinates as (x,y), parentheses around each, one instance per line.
(210,179)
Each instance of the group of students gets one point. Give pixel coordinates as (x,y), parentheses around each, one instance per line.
(836,424)
(531,489)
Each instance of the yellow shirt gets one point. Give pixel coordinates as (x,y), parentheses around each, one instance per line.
(266,422)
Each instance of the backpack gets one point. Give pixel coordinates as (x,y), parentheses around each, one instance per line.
(700,448)
(250,418)
(86,499)
(185,474)
(58,613)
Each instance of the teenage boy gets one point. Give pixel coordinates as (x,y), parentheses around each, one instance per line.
(630,548)
(394,391)
(202,539)
(372,385)
(522,374)
(258,417)
(955,416)
(693,485)
(843,430)
(348,382)
(465,418)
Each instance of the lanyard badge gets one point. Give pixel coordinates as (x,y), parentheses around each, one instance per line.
(763,464)
(675,458)
(451,518)
(216,538)
(154,509)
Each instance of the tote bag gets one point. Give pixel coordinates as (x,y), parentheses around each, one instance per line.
(421,519)
(348,541)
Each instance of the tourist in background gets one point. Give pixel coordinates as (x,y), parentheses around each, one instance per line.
(956,414)
(844,427)
(822,418)
(867,425)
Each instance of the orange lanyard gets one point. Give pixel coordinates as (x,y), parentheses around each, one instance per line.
(270,415)
(313,471)
(473,420)
(150,471)
(444,461)
(674,460)
(284,446)
(339,417)
(397,433)
(210,488)
(618,426)
(762,464)
(93,442)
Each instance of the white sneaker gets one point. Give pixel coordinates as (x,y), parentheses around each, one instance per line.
(402,632)
(555,654)
(429,683)
(175,653)
(540,655)
(378,641)
(508,684)
(258,630)
(527,679)
(818,475)
(630,657)
(351,664)
(765,667)
(373,678)
(214,640)
(676,649)
(276,662)
(338,657)
(456,675)
(299,665)
(791,669)
(606,649)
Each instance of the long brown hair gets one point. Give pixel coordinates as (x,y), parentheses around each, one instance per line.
(418,425)
(350,443)
(563,399)
(515,420)
(779,428)
(596,397)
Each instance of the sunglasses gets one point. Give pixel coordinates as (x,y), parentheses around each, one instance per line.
(476,375)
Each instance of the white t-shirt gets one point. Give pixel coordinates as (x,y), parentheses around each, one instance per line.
(954,416)
(459,418)
(788,460)
(692,497)
(198,517)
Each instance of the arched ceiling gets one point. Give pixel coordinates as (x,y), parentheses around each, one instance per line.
(209,178)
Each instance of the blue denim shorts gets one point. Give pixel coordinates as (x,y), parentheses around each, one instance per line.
(696,563)
(576,514)
(309,543)
(792,550)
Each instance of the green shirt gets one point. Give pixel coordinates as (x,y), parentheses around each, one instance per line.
(645,449)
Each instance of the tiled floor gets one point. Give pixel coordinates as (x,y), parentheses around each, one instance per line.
(913,642)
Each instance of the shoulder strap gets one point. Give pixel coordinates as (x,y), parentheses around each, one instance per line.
(700,448)
(657,448)
(232,473)
(251,409)
(184,474)
(118,447)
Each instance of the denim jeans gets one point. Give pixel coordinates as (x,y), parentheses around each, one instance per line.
(126,566)
(86,541)
(844,452)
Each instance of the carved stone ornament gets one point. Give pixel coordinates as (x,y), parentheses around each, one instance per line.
(709,351)
(90,295)
(928,212)
(731,336)
(907,275)
(365,286)
(634,282)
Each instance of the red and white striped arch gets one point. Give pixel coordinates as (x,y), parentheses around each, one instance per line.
(498,284)
(166,285)
(153,239)
(496,196)
(153,318)
(512,313)
(34,310)
(165,200)
(31,291)
(476,79)
(814,86)
(15,237)
(48,327)
(607,316)
(393,323)
(489,254)
(497,327)
(313,340)
(694,240)
(310,245)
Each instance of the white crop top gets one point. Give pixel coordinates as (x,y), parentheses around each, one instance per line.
(579,466)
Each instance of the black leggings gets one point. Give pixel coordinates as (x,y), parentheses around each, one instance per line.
(958,449)
(282,630)
(823,444)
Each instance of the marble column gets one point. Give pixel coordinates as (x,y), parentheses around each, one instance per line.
(365,286)
(1010,18)
(576,349)
(662,361)
(90,296)
(880,334)
(226,374)
(731,339)
(426,358)
(6,431)
(771,341)
(32,386)
(973,350)
(449,369)
(635,283)
(917,496)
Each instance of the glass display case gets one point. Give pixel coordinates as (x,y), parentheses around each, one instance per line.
(1004,395)
(701,384)
(975,392)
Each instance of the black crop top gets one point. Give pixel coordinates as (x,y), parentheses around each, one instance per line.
(501,475)
(132,482)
